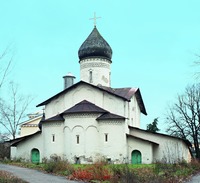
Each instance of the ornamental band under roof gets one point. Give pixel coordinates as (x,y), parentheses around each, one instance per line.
(95,46)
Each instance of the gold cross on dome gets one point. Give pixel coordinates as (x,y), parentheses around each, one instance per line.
(95,19)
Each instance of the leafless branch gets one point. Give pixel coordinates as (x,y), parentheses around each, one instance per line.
(13,111)
(183,117)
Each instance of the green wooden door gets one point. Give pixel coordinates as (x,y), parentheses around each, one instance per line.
(136,157)
(35,156)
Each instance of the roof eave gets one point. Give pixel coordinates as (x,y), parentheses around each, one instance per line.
(73,86)
(132,136)
(140,101)
(162,134)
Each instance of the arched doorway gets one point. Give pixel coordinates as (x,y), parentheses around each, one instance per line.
(35,156)
(136,157)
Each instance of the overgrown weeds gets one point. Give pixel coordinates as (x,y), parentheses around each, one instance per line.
(126,173)
(59,167)
(6,177)
(95,172)
(123,174)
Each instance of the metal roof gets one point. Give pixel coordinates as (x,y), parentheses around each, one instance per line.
(123,93)
(110,116)
(85,107)
(95,46)
(54,118)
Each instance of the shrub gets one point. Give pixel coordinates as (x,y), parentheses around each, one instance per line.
(61,167)
(4,151)
(82,174)
(97,171)
(123,174)
(49,167)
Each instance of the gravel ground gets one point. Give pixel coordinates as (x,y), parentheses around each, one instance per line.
(195,179)
(34,176)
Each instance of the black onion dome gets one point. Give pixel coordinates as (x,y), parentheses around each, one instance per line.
(95,46)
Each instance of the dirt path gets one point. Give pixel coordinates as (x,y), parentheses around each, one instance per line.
(34,176)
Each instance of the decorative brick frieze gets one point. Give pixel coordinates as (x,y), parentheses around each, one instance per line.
(95,64)
(83,115)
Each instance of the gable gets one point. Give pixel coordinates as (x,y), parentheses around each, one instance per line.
(65,91)
(33,121)
(83,107)
(121,93)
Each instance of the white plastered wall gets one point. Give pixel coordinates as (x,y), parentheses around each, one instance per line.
(134,113)
(53,147)
(23,149)
(85,127)
(85,92)
(115,146)
(92,145)
(170,149)
(99,68)
(146,149)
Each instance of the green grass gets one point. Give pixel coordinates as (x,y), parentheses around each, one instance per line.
(144,173)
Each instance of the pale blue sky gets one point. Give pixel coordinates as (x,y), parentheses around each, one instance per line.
(154,43)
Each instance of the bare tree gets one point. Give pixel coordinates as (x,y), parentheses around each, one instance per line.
(5,63)
(13,111)
(183,117)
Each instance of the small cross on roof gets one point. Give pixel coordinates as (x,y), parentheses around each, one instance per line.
(95,19)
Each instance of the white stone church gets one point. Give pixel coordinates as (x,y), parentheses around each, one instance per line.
(90,120)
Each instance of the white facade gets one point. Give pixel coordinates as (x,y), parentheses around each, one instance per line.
(23,150)
(90,120)
(84,138)
(164,147)
(96,71)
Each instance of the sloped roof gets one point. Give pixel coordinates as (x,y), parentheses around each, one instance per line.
(84,107)
(109,116)
(16,141)
(128,135)
(123,93)
(54,118)
(127,93)
(161,134)
(31,120)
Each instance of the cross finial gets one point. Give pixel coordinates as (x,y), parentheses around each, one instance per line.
(95,19)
